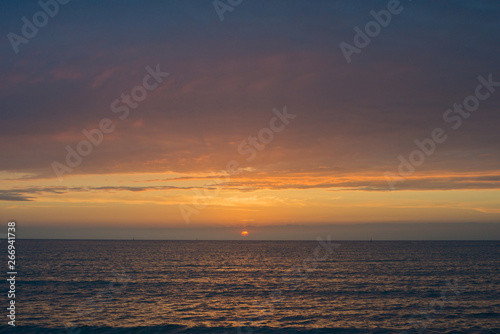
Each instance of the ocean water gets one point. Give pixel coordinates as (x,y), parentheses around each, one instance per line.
(79,286)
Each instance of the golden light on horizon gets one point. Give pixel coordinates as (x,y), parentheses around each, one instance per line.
(244,233)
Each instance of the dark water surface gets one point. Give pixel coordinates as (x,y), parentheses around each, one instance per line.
(256,287)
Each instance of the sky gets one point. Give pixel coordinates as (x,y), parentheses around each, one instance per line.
(289,119)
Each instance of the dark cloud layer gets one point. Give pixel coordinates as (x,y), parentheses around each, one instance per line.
(227,76)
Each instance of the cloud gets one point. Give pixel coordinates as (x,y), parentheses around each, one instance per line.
(29,194)
(245,182)
(353,120)
(5,196)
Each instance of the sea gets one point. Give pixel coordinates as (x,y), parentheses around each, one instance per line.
(319,286)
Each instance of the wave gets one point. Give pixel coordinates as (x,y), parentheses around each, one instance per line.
(167,329)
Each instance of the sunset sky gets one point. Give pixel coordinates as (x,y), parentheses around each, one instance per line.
(228,80)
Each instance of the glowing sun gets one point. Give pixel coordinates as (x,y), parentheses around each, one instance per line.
(244,233)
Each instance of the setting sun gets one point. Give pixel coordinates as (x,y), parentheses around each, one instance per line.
(244,233)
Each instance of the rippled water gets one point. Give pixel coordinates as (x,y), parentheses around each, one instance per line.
(257,287)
